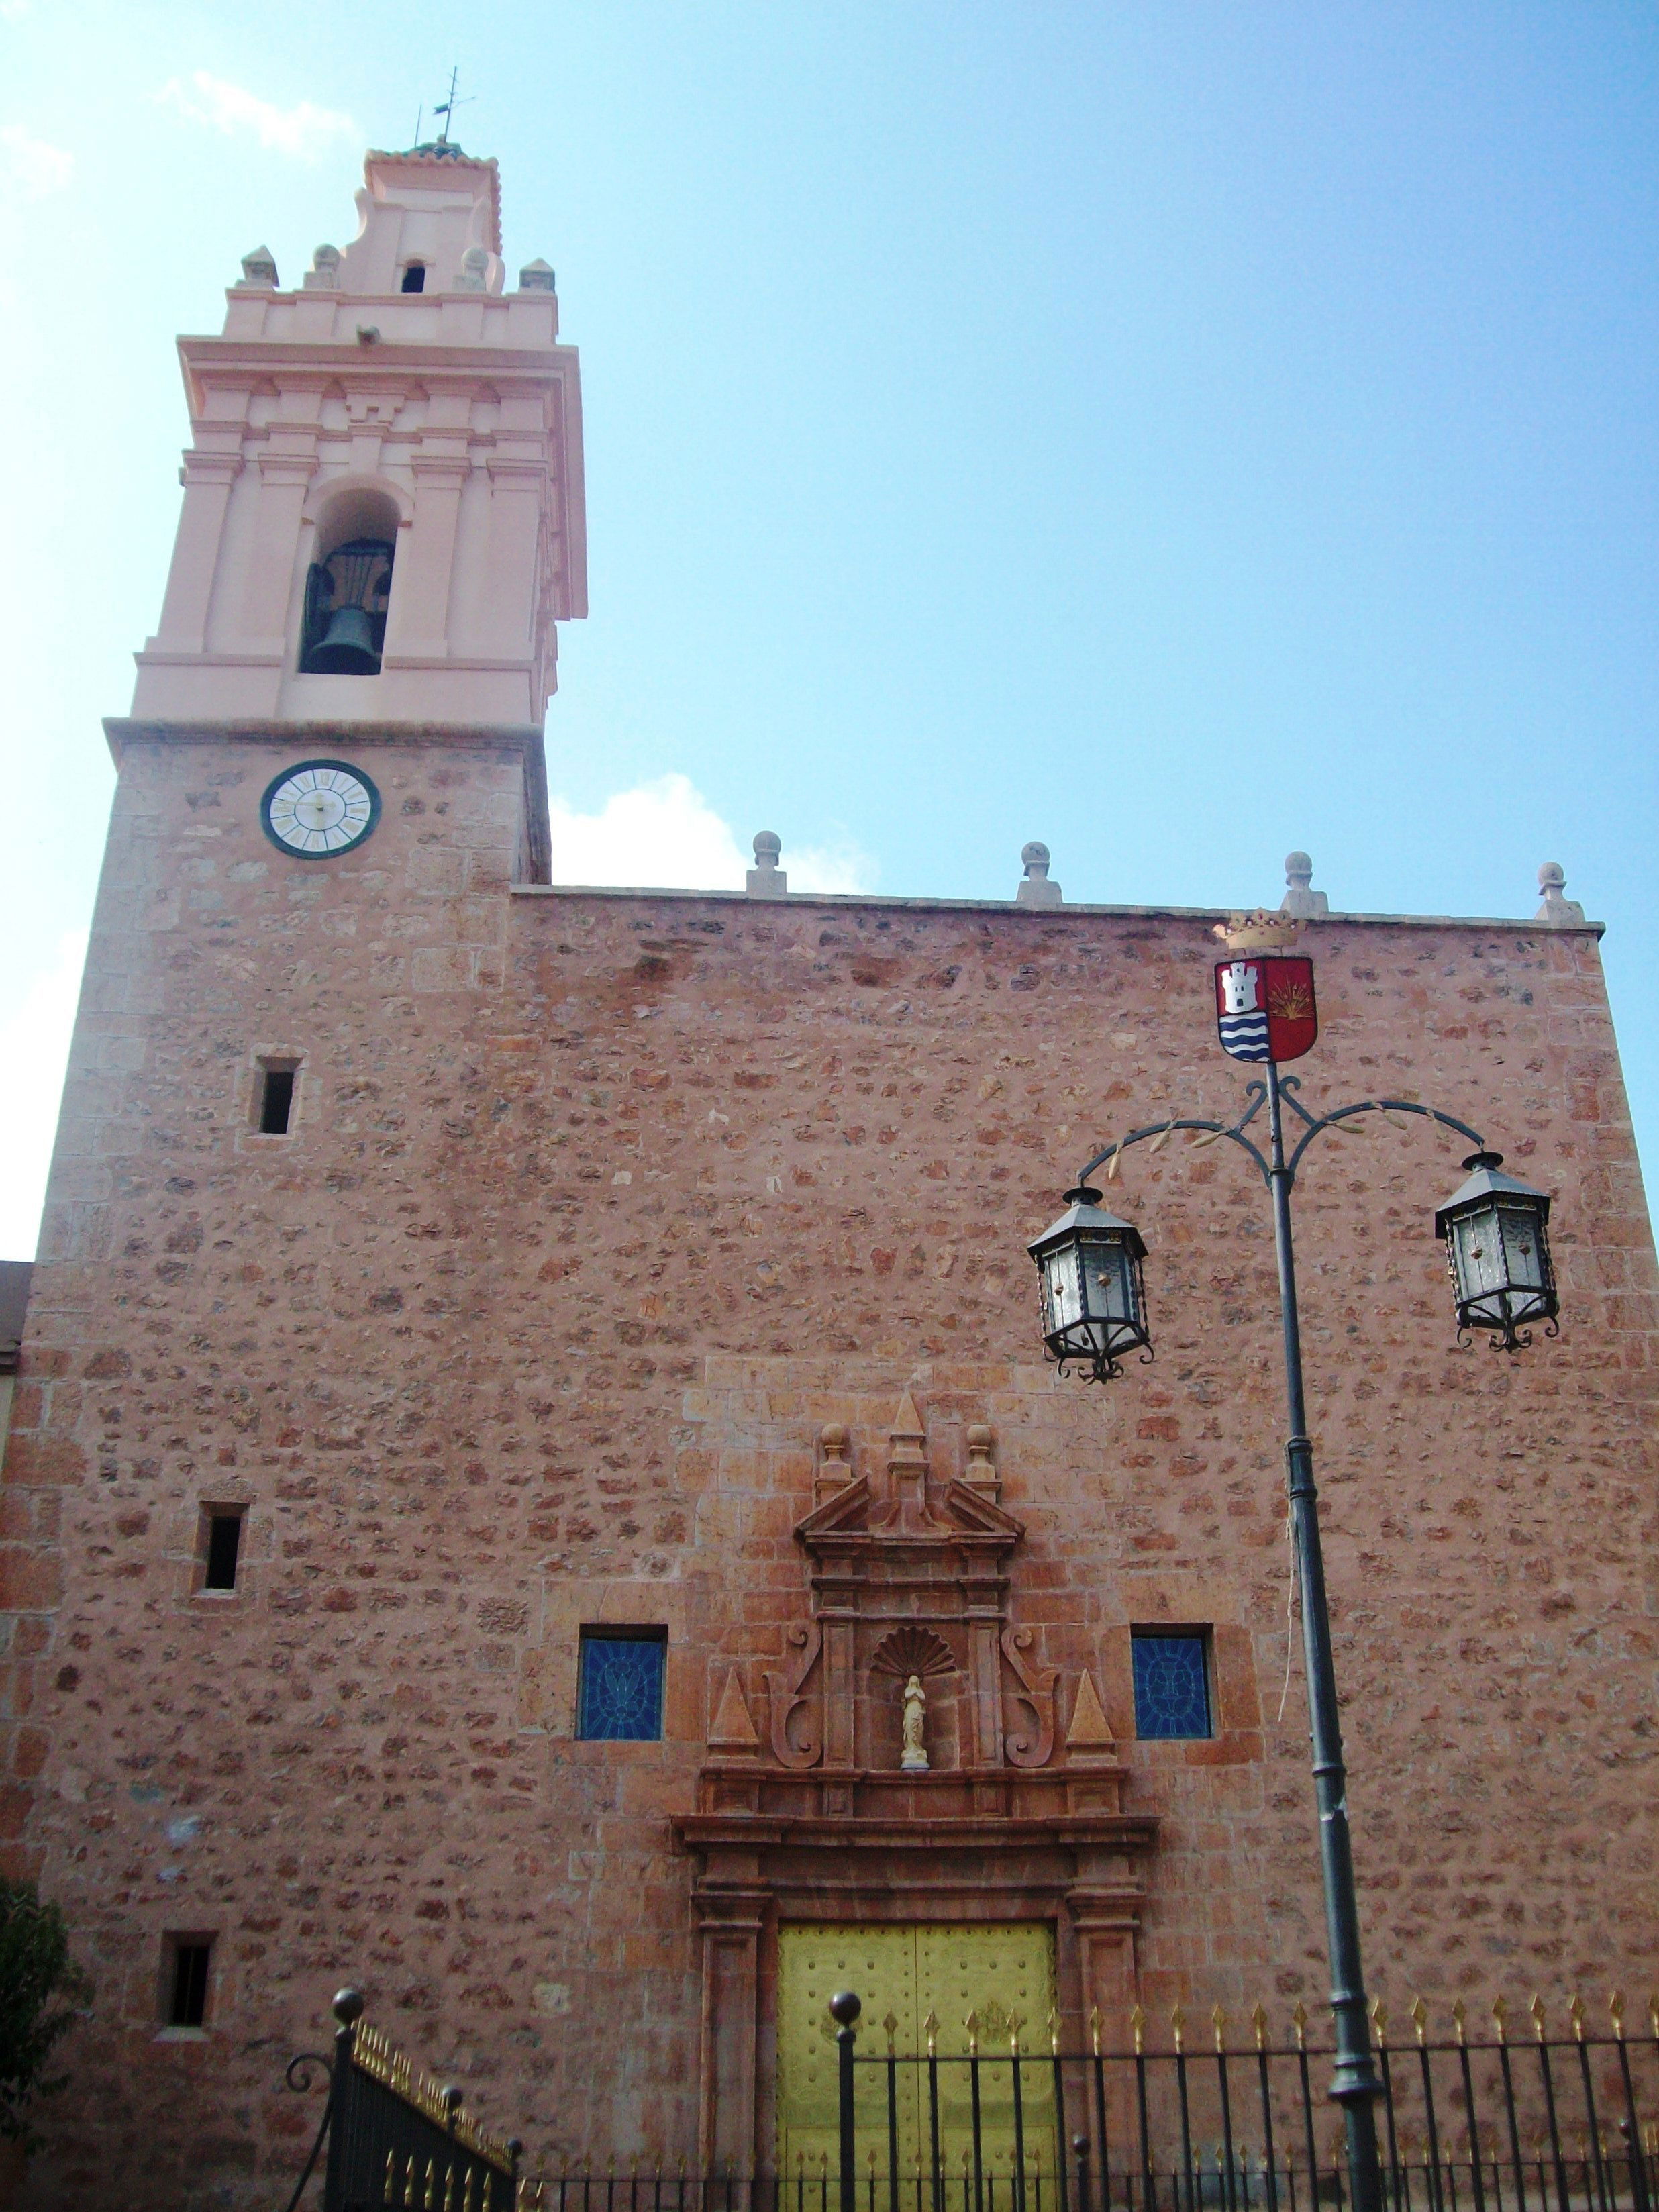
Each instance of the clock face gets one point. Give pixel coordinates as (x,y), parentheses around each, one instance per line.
(319,809)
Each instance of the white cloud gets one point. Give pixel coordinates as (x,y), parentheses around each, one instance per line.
(665,832)
(304,132)
(30,168)
(35,1042)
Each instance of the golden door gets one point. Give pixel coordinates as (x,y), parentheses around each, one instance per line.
(998,1973)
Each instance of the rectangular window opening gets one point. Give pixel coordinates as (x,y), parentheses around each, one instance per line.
(224,1544)
(187,1995)
(619,1693)
(276,1097)
(1172,1684)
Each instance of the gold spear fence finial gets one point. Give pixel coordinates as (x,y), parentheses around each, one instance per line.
(1653,2015)
(890,2029)
(1500,2013)
(1016,2021)
(1380,2022)
(1536,2009)
(972,2025)
(1616,2007)
(1219,2022)
(1259,2022)
(1419,2019)
(1138,2029)
(1096,2024)
(930,2029)
(1299,2022)
(1458,2017)
(1178,2022)
(1576,2015)
(1054,2034)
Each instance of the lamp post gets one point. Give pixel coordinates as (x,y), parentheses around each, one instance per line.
(1094,1308)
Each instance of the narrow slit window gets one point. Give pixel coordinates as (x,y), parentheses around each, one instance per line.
(192,1958)
(1172,1684)
(415,277)
(275,1100)
(224,1544)
(619,1695)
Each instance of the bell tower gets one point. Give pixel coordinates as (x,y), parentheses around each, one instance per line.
(383,514)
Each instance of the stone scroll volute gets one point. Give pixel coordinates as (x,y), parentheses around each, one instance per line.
(786,1694)
(1033,1746)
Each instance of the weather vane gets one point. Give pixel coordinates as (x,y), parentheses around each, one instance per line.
(448,106)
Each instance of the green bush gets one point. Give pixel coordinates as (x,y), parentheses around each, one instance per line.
(35,1969)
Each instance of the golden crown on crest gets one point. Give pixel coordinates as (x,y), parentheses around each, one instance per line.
(1264,931)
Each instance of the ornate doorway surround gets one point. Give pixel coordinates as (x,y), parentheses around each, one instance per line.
(815,1819)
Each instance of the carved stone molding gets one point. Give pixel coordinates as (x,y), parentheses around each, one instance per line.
(810,1816)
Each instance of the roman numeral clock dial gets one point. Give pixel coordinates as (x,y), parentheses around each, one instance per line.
(321,809)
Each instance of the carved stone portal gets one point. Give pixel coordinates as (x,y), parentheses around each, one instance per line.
(820,1814)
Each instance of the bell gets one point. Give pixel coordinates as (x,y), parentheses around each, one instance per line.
(346,646)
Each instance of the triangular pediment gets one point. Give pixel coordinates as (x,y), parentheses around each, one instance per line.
(972,1510)
(968,1512)
(844,1511)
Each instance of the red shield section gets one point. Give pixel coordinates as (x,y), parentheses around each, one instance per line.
(1292,1014)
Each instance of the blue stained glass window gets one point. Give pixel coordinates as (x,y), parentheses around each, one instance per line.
(1172,1684)
(619,1699)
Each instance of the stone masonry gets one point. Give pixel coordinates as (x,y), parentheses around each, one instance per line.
(599,1209)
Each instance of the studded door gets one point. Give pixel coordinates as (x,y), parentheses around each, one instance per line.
(999,1974)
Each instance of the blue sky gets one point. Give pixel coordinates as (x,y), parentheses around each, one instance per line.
(1179,432)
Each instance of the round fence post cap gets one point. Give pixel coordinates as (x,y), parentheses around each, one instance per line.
(347,2007)
(844,2007)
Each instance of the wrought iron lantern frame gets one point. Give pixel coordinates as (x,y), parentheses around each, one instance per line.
(1096,1336)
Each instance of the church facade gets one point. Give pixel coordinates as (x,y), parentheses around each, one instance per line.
(533,1486)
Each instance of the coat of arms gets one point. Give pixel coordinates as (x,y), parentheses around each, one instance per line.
(1264,1005)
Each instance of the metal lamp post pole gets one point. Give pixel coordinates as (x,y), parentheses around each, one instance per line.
(1355,2085)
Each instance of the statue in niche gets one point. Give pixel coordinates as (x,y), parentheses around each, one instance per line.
(915,1759)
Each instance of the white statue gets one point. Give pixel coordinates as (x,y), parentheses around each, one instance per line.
(914,1761)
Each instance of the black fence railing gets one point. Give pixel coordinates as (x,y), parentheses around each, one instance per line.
(395,2136)
(1503,2122)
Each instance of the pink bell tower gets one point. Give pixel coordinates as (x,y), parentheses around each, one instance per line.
(383,514)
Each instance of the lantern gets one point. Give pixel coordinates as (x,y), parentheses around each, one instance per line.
(1094,1306)
(1497,1249)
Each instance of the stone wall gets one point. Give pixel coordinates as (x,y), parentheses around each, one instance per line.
(597,1208)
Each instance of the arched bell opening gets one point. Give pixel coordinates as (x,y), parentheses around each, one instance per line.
(349,586)
(413,277)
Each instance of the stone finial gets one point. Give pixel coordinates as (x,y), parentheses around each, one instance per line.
(258,270)
(834,1469)
(1035,887)
(1300,899)
(1091,1730)
(766,878)
(734,1730)
(1557,912)
(536,277)
(981,1468)
(323,273)
(475,271)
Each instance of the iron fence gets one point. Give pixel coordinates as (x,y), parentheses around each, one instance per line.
(395,2136)
(1498,2122)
